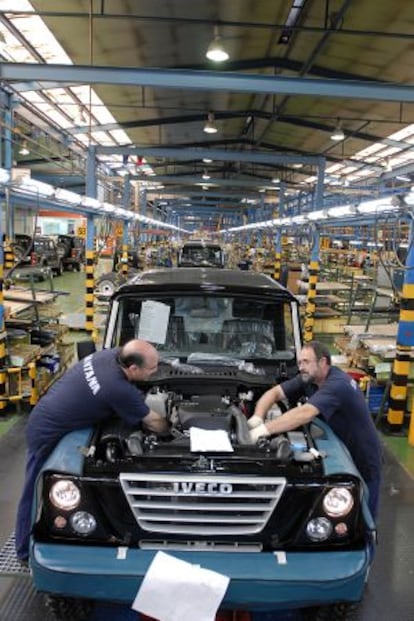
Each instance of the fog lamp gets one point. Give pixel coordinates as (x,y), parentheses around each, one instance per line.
(319,529)
(83,522)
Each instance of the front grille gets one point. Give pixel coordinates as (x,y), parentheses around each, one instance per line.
(204,505)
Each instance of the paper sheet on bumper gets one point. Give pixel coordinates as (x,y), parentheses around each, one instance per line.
(202,440)
(174,590)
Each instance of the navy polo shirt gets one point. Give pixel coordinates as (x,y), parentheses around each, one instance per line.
(94,389)
(342,405)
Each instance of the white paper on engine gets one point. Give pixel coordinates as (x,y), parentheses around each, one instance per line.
(206,440)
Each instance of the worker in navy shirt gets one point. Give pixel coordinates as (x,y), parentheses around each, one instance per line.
(100,386)
(338,399)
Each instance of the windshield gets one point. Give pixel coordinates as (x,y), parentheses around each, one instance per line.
(200,255)
(209,326)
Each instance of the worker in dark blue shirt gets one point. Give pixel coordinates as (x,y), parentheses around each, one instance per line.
(337,397)
(98,387)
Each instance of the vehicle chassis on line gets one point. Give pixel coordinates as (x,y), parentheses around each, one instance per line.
(286,518)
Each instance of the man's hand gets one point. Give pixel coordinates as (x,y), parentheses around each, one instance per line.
(155,422)
(258,432)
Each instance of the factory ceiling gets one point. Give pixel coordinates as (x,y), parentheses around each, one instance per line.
(298,70)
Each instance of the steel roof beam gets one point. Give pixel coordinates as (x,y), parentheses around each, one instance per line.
(208,194)
(208,81)
(198,180)
(214,154)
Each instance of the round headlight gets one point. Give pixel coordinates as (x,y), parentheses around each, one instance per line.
(83,522)
(338,502)
(319,529)
(64,494)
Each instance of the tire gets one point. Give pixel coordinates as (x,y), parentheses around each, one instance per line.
(62,250)
(68,608)
(335,612)
(59,269)
(107,284)
(18,252)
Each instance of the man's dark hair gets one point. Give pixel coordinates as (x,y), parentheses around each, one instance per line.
(320,350)
(127,360)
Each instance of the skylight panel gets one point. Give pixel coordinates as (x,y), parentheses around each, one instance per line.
(120,136)
(102,138)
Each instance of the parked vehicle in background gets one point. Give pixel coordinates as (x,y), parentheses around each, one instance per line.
(200,253)
(72,251)
(37,252)
(285,518)
(22,247)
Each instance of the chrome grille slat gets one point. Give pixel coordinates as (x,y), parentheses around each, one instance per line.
(165,503)
(196,506)
(144,492)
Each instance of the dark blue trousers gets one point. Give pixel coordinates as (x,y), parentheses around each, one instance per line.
(35,461)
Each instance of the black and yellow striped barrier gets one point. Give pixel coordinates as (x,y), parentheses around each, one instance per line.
(309,320)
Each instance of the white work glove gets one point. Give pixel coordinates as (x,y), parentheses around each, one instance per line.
(254,421)
(258,432)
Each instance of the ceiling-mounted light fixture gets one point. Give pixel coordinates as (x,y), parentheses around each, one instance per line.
(24,149)
(207,160)
(210,127)
(206,175)
(216,50)
(338,132)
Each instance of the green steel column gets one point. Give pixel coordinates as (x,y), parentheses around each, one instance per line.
(405,341)
(313,279)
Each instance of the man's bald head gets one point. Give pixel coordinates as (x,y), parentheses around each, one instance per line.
(138,356)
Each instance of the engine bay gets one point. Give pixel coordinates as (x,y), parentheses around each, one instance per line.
(114,442)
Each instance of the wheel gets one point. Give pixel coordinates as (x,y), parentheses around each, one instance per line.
(107,284)
(62,249)
(18,252)
(59,269)
(68,608)
(335,612)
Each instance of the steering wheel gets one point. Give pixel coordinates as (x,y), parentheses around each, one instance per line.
(254,343)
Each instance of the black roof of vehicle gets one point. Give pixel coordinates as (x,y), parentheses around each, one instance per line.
(201,243)
(208,279)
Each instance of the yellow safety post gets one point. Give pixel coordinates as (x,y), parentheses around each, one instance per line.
(399,387)
(310,302)
(411,427)
(276,265)
(89,290)
(313,279)
(124,260)
(8,255)
(34,393)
